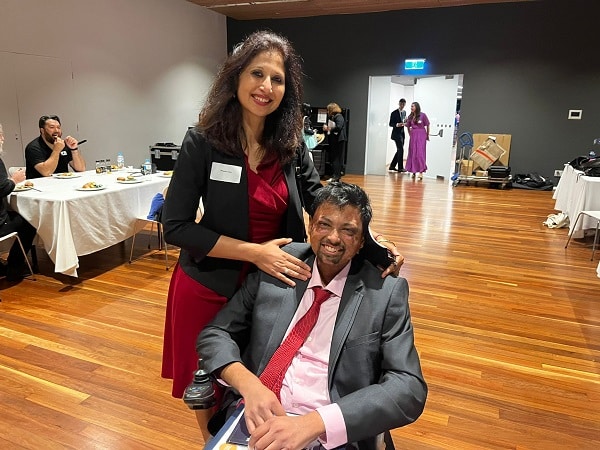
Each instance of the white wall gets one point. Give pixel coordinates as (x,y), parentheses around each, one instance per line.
(377,124)
(141,70)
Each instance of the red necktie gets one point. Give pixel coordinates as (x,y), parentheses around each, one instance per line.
(272,376)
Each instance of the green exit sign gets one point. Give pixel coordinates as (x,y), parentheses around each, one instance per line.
(414,64)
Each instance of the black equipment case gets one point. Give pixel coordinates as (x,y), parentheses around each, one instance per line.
(164,155)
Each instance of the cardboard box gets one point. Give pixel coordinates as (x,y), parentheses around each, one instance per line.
(487,154)
(503,140)
(466,167)
(481,173)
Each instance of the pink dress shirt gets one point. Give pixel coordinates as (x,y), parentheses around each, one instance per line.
(305,386)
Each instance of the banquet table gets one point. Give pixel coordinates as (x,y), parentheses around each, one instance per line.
(72,222)
(574,193)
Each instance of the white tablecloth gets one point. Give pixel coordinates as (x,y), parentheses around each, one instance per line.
(575,193)
(74,223)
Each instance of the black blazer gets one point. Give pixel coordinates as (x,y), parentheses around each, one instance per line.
(225,209)
(397,132)
(338,132)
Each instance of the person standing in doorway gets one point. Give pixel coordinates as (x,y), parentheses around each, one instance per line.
(337,135)
(418,130)
(397,120)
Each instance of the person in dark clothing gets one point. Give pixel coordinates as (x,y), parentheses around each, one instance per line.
(49,153)
(337,136)
(11,221)
(397,120)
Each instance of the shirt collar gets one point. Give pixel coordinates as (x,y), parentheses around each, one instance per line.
(335,286)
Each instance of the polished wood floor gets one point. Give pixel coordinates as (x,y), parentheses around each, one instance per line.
(507,323)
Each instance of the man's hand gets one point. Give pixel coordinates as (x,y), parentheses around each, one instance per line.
(261,404)
(287,432)
(59,145)
(18,176)
(71,142)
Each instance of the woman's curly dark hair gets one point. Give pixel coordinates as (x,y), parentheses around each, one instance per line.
(221,117)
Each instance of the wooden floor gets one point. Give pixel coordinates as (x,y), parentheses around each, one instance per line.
(507,323)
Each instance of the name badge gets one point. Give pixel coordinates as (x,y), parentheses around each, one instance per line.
(225,172)
(64,153)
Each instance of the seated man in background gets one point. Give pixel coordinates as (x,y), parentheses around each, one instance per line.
(49,153)
(11,221)
(348,369)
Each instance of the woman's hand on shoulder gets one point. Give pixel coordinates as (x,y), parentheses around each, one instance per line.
(393,268)
(272,260)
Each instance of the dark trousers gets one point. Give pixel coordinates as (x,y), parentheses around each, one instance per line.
(399,156)
(336,156)
(26,232)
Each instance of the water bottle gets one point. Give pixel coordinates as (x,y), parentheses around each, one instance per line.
(147,167)
(120,161)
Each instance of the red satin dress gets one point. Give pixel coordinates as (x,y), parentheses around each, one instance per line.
(191,305)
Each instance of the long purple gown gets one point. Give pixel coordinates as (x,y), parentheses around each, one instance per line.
(416,160)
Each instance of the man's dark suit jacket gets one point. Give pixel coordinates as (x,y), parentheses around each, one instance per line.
(374,371)
(397,132)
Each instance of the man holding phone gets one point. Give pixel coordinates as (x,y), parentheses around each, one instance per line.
(50,153)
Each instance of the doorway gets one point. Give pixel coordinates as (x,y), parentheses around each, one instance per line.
(437,95)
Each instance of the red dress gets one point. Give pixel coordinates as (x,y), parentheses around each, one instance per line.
(191,305)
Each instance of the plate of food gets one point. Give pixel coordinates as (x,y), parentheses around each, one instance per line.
(27,186)
(66,175)
(91,186)
(167,174)
(130,179)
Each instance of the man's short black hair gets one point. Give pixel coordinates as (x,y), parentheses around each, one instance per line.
(402,100)
(343,194)
(44,119)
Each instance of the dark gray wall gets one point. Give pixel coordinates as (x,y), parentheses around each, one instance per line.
(524,64)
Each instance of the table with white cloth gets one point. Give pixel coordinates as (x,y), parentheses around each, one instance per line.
(72,222)
(574,193)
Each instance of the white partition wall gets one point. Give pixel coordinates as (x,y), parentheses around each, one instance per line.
(377,123)
(121,74)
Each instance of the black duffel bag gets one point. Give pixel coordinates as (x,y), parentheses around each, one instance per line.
(591,167)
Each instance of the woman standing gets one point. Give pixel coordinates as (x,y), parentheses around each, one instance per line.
(246,161)
(336,130)
(418,130)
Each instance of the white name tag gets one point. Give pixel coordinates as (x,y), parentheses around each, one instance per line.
(225,172)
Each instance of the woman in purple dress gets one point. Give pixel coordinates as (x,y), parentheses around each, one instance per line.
(418,130)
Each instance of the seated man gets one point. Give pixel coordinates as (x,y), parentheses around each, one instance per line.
(356,374)
(49,153)
(11,221)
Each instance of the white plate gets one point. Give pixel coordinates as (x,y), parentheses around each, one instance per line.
(64,176)
(22,188)
(99,188)
(129,181)
(164,175)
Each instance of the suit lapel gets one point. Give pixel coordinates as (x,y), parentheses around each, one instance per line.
(351,298)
